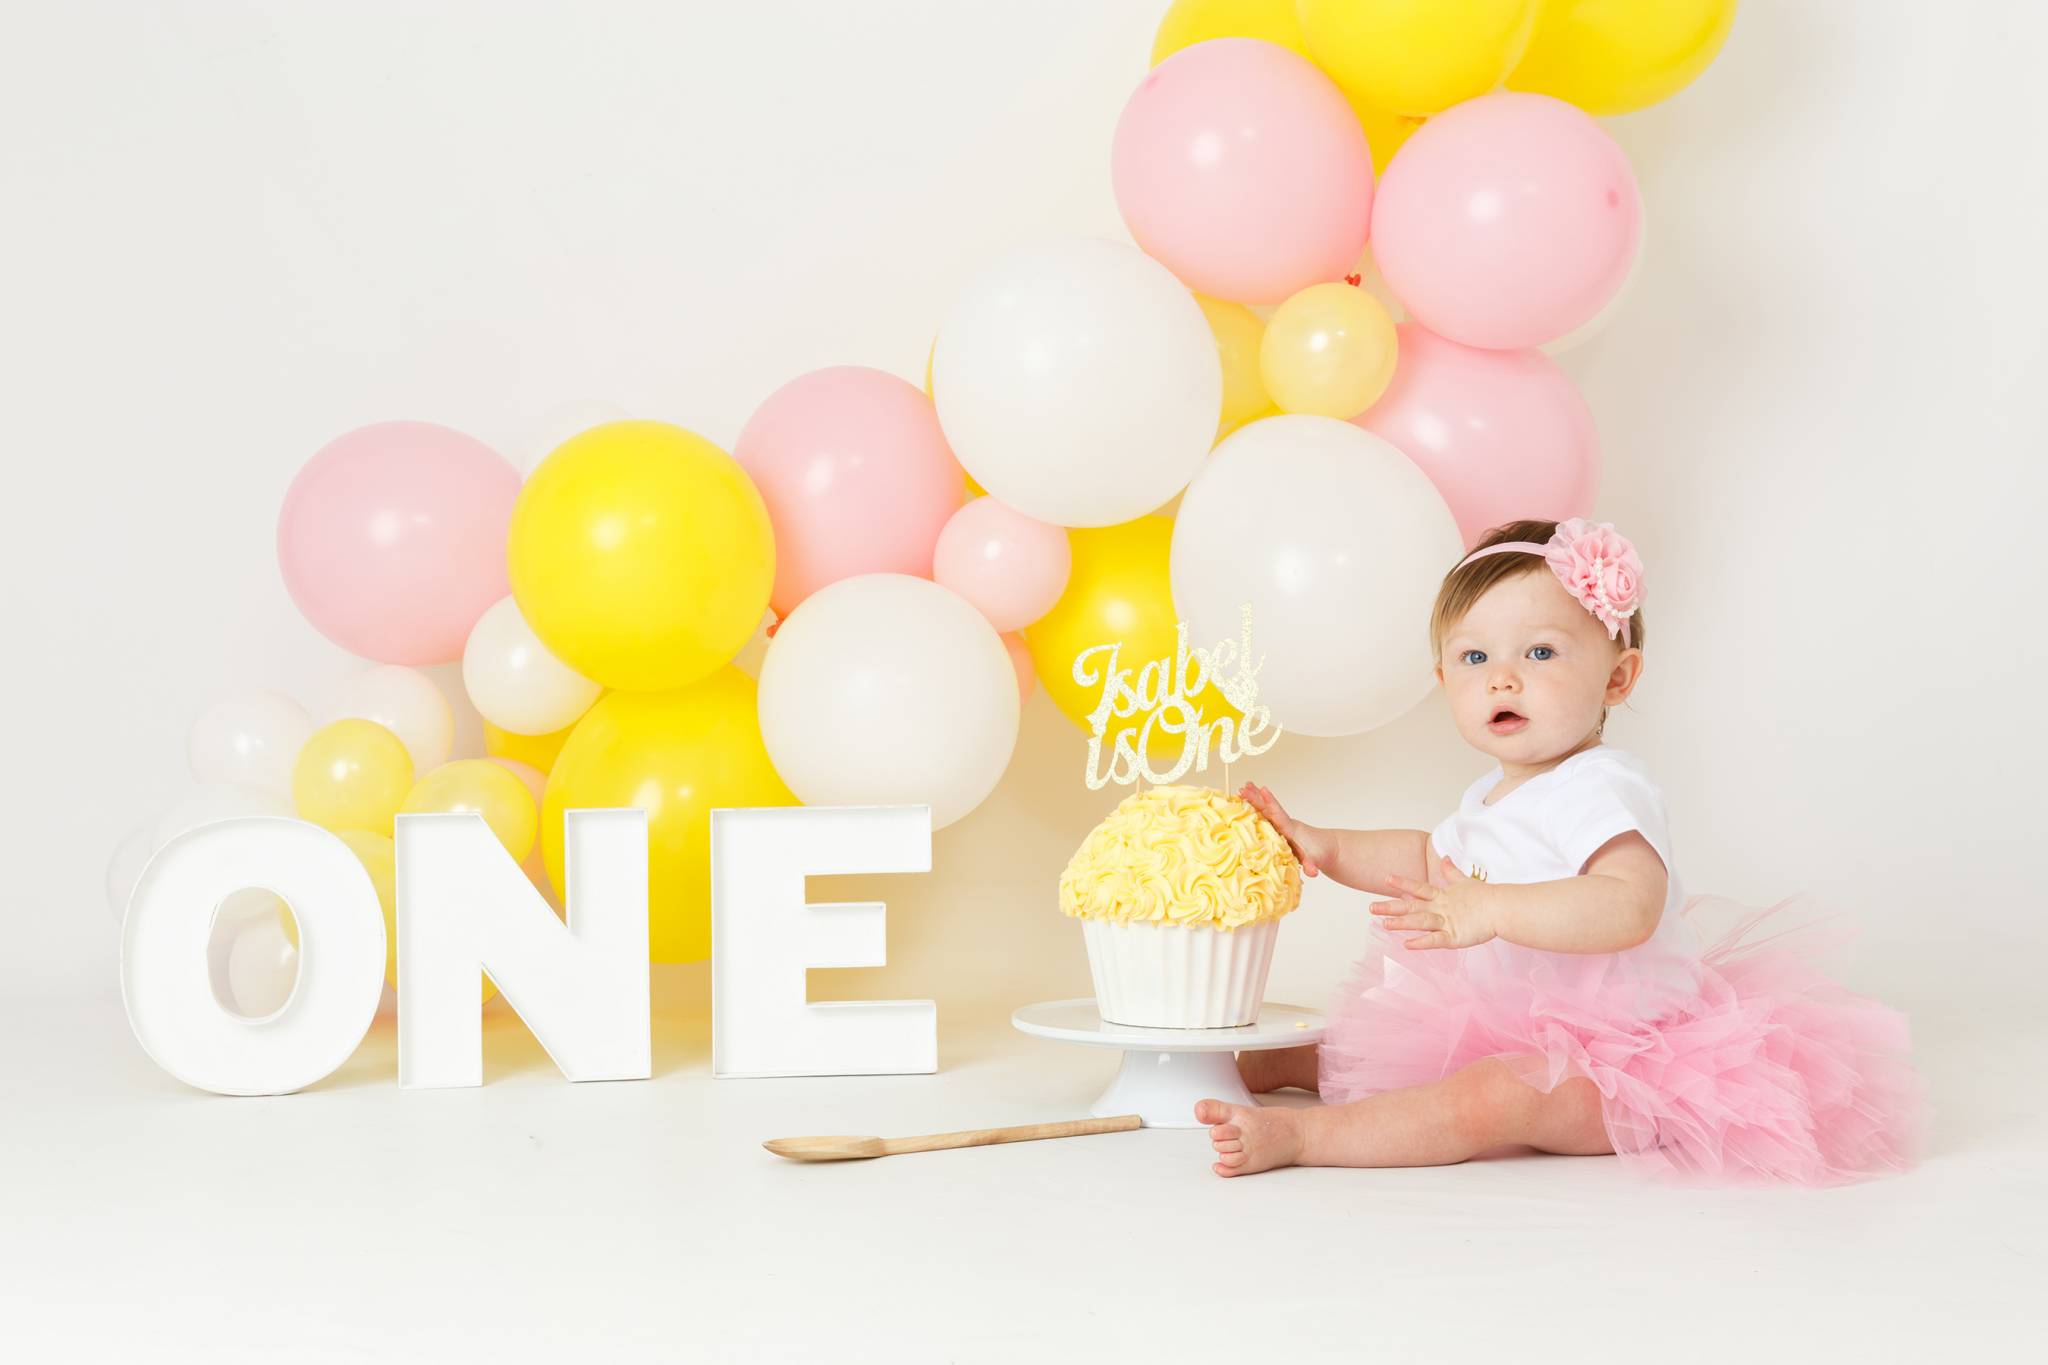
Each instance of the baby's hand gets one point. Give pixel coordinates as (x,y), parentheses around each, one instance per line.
(1305,840)
(1455,915)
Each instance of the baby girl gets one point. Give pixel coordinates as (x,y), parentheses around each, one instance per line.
(1534,978)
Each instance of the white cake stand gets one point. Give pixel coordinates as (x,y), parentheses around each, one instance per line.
(1166,1070)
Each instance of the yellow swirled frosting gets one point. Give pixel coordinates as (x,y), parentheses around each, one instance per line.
(1191,856)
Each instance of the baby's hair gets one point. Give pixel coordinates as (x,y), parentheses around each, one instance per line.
(1465,585)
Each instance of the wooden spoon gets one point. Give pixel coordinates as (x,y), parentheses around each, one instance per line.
(861,1148)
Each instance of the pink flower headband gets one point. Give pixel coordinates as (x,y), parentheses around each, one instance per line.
(1596,564)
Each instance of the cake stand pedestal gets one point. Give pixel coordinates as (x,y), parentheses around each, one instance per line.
(1166,1070)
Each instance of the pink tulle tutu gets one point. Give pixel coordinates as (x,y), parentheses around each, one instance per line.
(1747,1064)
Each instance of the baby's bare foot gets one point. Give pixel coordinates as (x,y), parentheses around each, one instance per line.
(1249,1139)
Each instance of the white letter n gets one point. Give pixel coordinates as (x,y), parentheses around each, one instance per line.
(463,904)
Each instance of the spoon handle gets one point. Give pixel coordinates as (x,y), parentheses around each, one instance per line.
(1023,1132)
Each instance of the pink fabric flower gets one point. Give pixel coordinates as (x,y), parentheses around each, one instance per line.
(1598,566)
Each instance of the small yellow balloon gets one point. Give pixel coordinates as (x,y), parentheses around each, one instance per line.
(675,755)
(1614,56)
(1238,332)
(477,784)
(1119,592)
(380,860)
(1329,350)
(535,751)
(1188,22)
(352,775)
(641,554)
(1416,56)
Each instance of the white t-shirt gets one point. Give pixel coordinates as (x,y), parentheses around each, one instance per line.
(1548,827)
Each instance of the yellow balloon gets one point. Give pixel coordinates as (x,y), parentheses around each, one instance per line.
(1237,330)
(1188,22)
(641,554)
(675,755)
(1613,56)
(1118,591)
(380,860)
(535,751)
(352,775)
(477,784)
(1416,56)
(1329,350)
(1384,132)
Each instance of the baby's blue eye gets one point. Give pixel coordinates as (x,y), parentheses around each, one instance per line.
(1466,656)
(1541,652)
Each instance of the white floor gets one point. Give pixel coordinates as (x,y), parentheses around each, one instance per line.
(531,1218)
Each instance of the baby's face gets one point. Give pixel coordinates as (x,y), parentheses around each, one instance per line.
(1528,670)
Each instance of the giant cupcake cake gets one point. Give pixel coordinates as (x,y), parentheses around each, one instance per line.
(1179,892)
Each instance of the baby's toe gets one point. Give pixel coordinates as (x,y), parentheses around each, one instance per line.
(1229,1145)
(1225,1132)
(1211,1111)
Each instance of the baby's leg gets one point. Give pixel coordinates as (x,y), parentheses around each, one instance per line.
(1468,1112)
(1278,1068)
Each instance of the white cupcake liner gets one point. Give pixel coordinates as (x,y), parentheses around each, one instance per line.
(1170,976)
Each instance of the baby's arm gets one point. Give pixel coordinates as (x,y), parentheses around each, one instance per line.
(1614,904)
(1364,859)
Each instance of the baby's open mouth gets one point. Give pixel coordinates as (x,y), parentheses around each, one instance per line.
(1506,720)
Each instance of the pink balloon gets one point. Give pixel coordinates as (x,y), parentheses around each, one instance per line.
(1507,221)
(857,477)
(1242,169)
(1012,568)
(392,540)
(1502,434)
(1020,659)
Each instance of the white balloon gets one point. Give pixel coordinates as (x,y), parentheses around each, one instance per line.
(515,681)
(124,869)
(884,689)
(1339,542)
(558,424)
(217,801)
(406,702)
(262,964)
(1078,382)
(252,738)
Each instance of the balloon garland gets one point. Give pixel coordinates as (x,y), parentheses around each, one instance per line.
(1356,223)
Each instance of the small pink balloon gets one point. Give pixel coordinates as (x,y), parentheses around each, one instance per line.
(392,540)
(1012,568)
(1020,659)
(1242,169)
(1507,221)
(857,477)
(1502,434)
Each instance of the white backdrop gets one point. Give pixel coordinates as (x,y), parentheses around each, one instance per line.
(229,232)
(238,230)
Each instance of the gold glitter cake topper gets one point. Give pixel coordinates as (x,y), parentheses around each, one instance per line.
(1163,692)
